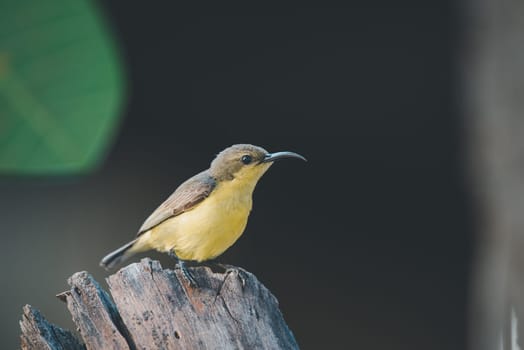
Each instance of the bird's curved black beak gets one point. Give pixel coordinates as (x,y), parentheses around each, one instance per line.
(271,157)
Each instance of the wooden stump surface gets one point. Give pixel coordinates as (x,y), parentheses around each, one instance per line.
(155,308)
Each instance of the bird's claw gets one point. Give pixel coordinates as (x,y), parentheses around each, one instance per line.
(238,273)
(189,277)
(185,272)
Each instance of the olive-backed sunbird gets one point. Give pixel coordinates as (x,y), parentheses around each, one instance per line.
(207,213)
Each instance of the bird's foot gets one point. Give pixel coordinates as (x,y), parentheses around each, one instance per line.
(237,271)
(187,275)
(185,272)
(226,270)
(172,255)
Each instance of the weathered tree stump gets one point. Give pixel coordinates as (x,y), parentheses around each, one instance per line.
(155,308)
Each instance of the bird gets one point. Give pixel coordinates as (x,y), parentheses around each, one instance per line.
(207,213)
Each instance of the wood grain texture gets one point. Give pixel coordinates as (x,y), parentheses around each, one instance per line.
(37,333)
(228,311)
(94,314)
(155,308)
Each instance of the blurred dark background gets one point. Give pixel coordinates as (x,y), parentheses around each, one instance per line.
(366,246)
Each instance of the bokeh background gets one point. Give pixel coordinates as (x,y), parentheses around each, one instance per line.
(368,245)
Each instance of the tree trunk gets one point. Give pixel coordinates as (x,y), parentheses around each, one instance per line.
(155,308)
(494,101)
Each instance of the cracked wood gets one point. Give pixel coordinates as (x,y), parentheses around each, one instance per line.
(155,308)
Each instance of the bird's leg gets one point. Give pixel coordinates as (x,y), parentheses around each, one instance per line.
(187,274)
(239,275)
(185,271)
(233,269)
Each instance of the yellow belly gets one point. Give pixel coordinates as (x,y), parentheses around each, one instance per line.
(207,230)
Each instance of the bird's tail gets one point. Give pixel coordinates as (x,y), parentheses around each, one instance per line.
(119,255)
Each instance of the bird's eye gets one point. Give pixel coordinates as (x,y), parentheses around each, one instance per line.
(246,159)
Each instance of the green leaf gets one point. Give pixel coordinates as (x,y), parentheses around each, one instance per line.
(61,87)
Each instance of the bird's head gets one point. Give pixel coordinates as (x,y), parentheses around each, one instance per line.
(245,162)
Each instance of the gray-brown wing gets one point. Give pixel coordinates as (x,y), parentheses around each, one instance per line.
(185,197)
